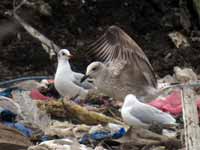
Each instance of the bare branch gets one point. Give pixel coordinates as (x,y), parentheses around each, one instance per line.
(50,47)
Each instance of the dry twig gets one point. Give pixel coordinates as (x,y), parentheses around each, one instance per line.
(50,47)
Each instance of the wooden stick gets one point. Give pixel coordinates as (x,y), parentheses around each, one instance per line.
(50,47)
(190,118)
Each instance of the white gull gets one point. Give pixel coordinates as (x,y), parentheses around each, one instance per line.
(67,82)
(137,113)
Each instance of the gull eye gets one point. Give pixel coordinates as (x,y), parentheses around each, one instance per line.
(95,68)
(63,53)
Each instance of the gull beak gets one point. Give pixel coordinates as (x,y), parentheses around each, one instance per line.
(84,78)
(70,56)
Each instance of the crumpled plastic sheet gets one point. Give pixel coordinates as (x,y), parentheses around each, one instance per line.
(30,112)
(66,129)
(22,106)
(8,118)
(9,104)
(60,144)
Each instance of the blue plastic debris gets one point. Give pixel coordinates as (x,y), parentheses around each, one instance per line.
(45,138)
(7,115)
(119,134)
(20,127)
(7,92)
(85,139)
(101,135)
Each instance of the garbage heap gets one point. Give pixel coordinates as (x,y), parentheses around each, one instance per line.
(34,116)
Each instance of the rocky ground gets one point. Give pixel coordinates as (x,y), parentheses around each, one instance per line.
(73,24)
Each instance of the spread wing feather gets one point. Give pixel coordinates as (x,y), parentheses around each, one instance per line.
(115,44)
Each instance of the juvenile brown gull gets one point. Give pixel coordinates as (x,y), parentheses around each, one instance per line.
(125,69)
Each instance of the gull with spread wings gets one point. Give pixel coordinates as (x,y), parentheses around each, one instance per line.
(125,68)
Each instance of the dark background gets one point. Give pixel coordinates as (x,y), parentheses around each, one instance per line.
(73,24)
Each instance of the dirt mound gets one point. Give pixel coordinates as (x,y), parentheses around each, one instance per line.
(73,24)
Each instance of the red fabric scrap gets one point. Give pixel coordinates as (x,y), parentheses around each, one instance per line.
(171,103)
(36,95)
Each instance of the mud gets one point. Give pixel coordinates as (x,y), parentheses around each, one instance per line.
(73,24)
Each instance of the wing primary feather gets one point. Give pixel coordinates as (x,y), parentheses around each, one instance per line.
(97,41)
(116,45)
(97,49)
(104,52)
(109,58)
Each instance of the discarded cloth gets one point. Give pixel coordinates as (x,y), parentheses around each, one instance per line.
(20,127)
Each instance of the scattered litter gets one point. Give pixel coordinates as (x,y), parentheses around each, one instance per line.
(9,104)
(11,139)
(7,115)
(20,127)
(99,148)
(36,95)
(179,40)
(167,79)
(32,109)
(7,92)
(102,135)
(66,129)
(60,144)
(169,133)
(184,75)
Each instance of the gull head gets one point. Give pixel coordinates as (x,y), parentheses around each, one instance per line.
(64,54)
(93,70)
(130,99)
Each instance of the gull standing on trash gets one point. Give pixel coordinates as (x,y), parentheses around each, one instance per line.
(67,82)
(125,70)
(137,113)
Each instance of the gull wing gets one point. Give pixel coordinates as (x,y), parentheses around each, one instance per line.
(149,114)
(116,46)
(77,80)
